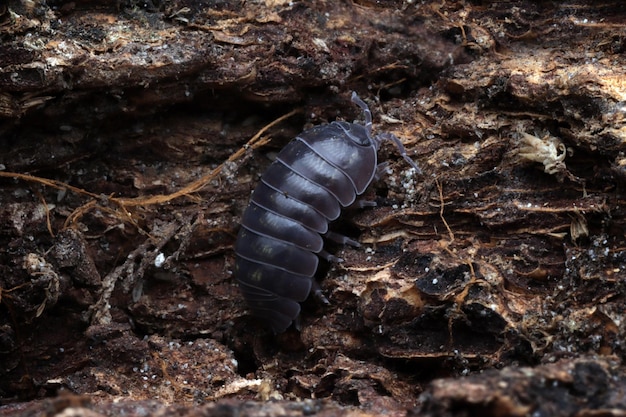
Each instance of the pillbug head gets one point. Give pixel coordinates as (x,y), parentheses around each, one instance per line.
(357,134)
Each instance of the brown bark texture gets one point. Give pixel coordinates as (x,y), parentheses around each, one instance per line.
(492,284)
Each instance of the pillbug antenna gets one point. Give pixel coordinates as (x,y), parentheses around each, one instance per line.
(368,114)
(401,149)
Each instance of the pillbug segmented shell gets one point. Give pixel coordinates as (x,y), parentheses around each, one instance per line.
(280,241)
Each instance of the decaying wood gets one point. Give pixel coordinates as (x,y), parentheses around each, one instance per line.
(133,132)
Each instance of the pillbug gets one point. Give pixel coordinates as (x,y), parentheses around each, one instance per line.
(281,237)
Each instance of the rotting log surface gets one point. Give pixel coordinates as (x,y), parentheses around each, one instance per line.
(493,284)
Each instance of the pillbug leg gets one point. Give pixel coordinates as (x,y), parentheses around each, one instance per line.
(318,294)
(330,258)
(363,203)
(380,170)
(297,323)
(366,110)
(388,136)
(339,238)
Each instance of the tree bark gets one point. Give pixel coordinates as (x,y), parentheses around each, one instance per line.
(132,134)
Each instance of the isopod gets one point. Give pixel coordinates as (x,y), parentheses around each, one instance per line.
(280,240)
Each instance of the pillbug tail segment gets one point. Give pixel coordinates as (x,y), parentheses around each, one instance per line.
(401,149)
(366,110)
(277,312)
